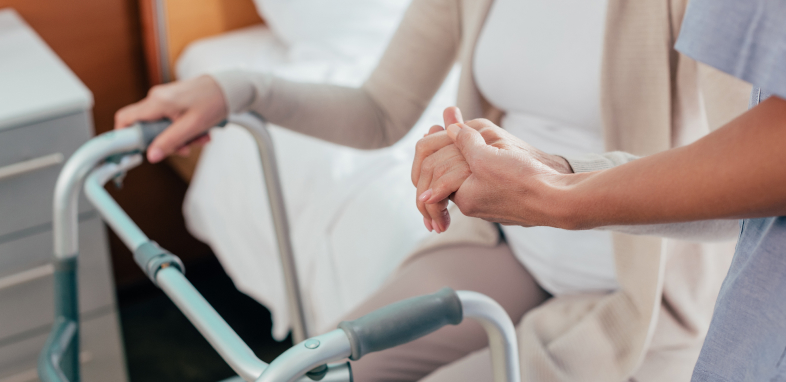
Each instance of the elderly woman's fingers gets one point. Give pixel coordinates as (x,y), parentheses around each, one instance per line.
(440,218)
(434,140)
(425,147)
(442,187)
(423,182)
(176,136)
(427,223)
(452,115)
(434,129)
(193,105)
(183,151)
(437,165)
(144,110)
(445,185)
(200,141)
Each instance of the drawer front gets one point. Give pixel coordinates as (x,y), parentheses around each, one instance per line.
(20,254)
(26,297)
(101,353)
(30,160)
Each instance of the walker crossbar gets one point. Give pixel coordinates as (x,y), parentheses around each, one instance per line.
(308,360)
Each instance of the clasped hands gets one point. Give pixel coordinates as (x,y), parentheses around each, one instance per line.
(488,173)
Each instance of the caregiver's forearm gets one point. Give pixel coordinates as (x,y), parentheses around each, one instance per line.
(699,231)
(737,171)
(715,230)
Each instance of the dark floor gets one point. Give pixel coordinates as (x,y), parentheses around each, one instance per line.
(162,345)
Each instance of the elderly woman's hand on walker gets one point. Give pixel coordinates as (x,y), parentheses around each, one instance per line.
(194,106)
(489,174)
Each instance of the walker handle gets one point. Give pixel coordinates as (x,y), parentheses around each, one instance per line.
(151,129)
(402,322)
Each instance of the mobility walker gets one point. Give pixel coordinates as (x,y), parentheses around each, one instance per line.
(321,358)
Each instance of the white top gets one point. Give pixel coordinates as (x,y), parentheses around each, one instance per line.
(35,83)
(540,62)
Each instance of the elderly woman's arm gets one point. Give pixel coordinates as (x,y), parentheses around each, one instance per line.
(379,113)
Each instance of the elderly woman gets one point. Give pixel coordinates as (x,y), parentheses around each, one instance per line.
(569,77)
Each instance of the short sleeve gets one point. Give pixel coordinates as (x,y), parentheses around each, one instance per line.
(745,38)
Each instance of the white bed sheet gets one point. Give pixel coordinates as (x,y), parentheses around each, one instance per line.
(351,212)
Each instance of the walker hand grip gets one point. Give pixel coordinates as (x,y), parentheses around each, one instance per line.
(151,129)
(402,322)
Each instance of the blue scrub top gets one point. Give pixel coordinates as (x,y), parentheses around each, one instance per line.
(747,337)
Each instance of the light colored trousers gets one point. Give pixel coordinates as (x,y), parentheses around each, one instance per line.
(457,351)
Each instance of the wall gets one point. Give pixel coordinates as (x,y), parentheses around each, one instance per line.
(100,41)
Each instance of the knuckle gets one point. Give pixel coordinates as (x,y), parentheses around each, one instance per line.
(488,135)
(161,93)
(428,164)
(464,171)
(154,91)
(440,170)
(422,145)
(441,189)
(120,116)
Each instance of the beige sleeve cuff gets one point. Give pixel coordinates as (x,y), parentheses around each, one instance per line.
(241,88)
(595,162)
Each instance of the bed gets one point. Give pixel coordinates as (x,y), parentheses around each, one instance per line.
(351,212)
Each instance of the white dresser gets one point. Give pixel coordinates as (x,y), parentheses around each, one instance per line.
(44,117)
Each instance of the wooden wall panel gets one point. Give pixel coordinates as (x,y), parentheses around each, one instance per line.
(189,20)
(100,40)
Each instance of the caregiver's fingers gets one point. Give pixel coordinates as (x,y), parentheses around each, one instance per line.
(426,146)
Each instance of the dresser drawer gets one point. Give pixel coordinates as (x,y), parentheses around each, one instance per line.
(101,353)
(26,297)
(30,160)
(21,253)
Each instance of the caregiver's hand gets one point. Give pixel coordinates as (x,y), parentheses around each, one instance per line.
(499,178)
(193,105)
(433,216)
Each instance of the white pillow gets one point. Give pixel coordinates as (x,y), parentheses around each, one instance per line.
(350,26)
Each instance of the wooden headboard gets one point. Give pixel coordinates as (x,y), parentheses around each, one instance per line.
(168,26)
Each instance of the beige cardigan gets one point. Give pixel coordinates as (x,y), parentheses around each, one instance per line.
(653,98)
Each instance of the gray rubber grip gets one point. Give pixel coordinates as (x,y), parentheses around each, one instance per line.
(151,129)
(402,322)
